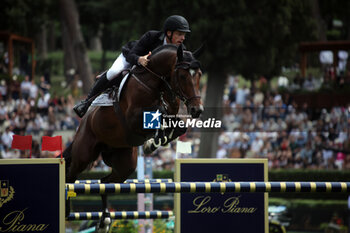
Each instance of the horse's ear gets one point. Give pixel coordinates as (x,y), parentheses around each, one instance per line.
(199,51)
(180,54)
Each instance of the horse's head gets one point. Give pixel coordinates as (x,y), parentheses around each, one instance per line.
(185,80)
(181,73)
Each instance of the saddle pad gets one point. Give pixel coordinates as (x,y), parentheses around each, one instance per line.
(105,100)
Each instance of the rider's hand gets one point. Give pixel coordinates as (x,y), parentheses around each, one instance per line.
(143,60)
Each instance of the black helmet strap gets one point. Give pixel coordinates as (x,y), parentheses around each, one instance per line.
(169,37)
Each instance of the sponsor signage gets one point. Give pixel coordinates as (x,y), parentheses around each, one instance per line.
(221,212)
(32,195)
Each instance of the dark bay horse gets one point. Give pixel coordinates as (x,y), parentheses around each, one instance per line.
(171,75)
(115,132)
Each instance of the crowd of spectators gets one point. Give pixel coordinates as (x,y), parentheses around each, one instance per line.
(259,124)
(29,108)
(256,124)
(291,136)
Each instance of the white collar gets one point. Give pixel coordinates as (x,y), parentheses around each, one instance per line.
(164,41)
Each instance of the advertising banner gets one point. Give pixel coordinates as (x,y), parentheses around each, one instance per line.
(221,212)
(32,195)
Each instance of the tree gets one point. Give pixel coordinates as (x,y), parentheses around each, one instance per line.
(222,30)
(70,18)
(335,10)
(250,38)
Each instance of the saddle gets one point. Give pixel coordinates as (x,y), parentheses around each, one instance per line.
(112,94)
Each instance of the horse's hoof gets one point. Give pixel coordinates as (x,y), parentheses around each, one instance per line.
(102,230)
(107,221)
(104,225)
(147,146)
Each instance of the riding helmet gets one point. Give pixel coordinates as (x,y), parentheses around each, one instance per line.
(176,23)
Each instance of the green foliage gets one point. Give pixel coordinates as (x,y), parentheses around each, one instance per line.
(160,226)
(316,211)
(252,38)
(336,9)
(164,174)
(55,61)
(5,77)
(131,226)
(124,226)
(249,37)
(311,213)
(25,17)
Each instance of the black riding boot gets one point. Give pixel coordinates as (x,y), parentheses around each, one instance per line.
(100,85)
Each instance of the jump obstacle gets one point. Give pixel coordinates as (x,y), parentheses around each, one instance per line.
(120,215)
(209,187)
(223,173)
(128,181)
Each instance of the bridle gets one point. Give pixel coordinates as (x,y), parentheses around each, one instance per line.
(183,65)
(177,91)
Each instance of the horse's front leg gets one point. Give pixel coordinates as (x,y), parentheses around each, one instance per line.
(105,221)
(161,139)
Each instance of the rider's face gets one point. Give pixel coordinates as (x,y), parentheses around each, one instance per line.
(178,37)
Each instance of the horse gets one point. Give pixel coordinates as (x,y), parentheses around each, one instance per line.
(172,75)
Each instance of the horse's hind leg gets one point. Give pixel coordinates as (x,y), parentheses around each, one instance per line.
(123,162)
(67,156)
(84,151)
(82,154)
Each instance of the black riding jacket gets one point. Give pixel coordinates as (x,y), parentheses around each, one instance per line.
(148,42)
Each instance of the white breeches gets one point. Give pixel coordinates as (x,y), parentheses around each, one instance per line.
(119,64)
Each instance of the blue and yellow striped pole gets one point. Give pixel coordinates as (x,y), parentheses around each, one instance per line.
(209,187)
(120,215)
(128,181)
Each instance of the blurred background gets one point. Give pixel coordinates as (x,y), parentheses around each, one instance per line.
(274,72)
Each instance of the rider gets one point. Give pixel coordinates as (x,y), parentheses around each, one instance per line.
(174,31)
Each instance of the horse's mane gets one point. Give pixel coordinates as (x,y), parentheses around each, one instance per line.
(187,55)
(164,47)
